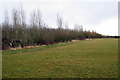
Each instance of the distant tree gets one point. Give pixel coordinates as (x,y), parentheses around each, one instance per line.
(36,19)
(23,30)
(16,18)
(39,19)
(33,19)
(59,22)
(22,17)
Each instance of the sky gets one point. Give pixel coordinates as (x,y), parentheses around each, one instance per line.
(100,16)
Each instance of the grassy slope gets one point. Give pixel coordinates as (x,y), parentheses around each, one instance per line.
(96,58)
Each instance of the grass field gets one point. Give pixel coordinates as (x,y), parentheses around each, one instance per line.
(96,58)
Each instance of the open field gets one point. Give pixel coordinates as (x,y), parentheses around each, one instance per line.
(96,58)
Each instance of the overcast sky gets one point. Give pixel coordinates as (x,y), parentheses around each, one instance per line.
(100,16)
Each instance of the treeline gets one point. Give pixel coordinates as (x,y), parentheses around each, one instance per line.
(112,36)
(19,34)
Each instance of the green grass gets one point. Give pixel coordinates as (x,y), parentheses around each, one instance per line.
(97,58)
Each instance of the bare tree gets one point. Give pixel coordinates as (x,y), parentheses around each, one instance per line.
(39,19)
(33,19)
(16,18)
(59,22)
(22,16)
(36,19)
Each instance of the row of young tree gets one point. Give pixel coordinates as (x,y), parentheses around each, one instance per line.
(19,33)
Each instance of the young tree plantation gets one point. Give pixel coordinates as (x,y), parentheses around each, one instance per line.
(19,33)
